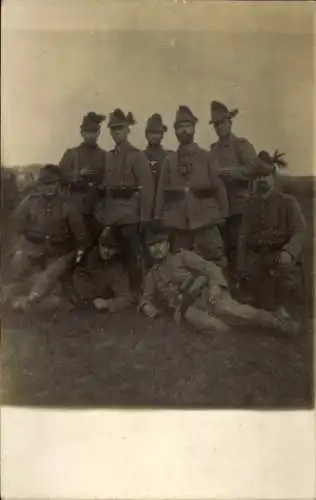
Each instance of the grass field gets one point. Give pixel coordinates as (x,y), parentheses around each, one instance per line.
(88,359)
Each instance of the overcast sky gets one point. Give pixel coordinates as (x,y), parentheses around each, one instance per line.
(101,56)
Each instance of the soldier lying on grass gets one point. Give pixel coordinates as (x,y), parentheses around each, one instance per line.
(99,281)
(196,290)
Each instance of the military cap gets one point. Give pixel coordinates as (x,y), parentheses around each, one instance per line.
(265,164)
(184,114)
(155,124)
(49,174)
(91,122)
(277,159)
(220,111)
(106,238)
(119,119)
(156,236)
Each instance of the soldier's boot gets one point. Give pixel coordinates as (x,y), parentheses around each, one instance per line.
(282,313)
(287,325)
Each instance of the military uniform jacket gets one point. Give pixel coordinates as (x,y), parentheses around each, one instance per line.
(270,219)
(237,154)
(128,169)
(96,277)
(167,280)
(188,171)
(155,157)
(83,157)
(49,220)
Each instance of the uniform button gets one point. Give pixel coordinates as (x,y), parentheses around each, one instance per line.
(187,189)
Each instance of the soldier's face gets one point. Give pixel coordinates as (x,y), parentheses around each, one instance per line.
(119,134)
(185,132)
(223,127)
(265,183)
(106,253)
(154,138)
(48,190)
(159,250)
(90,137)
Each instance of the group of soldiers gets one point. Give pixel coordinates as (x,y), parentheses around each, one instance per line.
(203,234)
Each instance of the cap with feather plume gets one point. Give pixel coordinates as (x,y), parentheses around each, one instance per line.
(276,160)
(91,122)
(118,118)
(155,124)
(184,114)
(220,111)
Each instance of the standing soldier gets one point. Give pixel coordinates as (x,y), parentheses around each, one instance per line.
(52,235)
(154,151)
(155,130)
(191,199)
(235,156)
(127,202)
(83,167)
(271,241)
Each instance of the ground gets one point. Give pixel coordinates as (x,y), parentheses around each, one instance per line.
(96,360)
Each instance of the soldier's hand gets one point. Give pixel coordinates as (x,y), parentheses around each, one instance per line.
(150,311)
(20,303)
(79,255)
(284,259)
(100,304)
(215,292)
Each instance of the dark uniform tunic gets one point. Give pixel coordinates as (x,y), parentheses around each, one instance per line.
(83,169)
(126,202)
(271,224)
(191,200)
(51,230)
(235,154)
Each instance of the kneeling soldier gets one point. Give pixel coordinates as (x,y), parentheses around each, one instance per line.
(196,289)
(52,239)
(271,241)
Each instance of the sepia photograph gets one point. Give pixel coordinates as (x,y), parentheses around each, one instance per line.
(157,197)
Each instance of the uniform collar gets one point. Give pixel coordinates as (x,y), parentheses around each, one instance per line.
(226,141)
(150,147)
(125,146)
(266,196)
(84,145)
(189,149)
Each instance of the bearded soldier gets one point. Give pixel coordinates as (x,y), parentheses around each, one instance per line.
(52,238)
(271,241)
(235,156)
(195,289)
(191,199)
(83,167)
(127,199)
